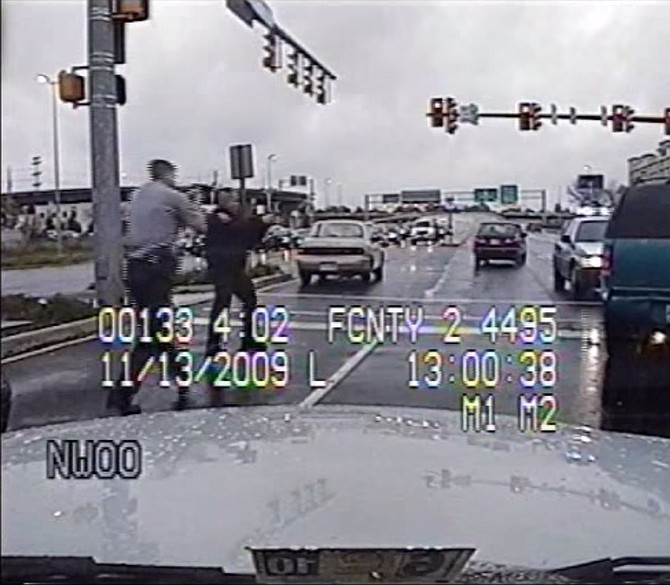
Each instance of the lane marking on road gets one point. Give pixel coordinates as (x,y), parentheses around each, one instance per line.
(340,374)
(47,349)
(424,330)
(374,298)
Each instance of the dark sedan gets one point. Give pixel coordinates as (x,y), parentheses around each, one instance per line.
(499,241)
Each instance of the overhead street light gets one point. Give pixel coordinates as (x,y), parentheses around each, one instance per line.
(46,80)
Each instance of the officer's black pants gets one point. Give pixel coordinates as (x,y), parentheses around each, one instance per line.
(149,286)
(226,284)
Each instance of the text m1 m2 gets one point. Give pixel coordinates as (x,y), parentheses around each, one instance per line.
(88,459)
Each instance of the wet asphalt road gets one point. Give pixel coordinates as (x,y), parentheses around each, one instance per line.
(427,371)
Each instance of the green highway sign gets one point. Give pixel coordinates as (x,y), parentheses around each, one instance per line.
(488,195)
(509,194)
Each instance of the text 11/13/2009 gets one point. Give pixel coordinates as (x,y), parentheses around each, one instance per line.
(259,369)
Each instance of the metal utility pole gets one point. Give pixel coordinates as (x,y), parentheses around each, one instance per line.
(104,155)
(268,193)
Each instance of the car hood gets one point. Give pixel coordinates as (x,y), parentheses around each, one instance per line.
(216,481)
(590,248)
(333,242)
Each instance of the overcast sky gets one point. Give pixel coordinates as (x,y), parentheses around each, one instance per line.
(196,86)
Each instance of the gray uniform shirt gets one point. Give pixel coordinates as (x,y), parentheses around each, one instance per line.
(155,214)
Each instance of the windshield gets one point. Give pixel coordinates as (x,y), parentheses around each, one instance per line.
(338,230)
(335,357)
(591,231)
(498,229)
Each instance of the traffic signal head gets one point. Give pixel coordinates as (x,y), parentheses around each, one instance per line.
(308,79)
(322,88)
(452,115)
(535,122)
(667,121)
(525,112)
(618,117)
(71,87)
(436,112)
(293,68)
(272,58)
(628,120)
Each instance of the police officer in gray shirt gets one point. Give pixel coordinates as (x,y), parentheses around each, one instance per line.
(155,215)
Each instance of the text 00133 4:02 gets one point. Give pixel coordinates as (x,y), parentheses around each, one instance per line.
(536,413)
(90,458)
(126,325)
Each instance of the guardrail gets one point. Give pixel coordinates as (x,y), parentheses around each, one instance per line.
(378,217)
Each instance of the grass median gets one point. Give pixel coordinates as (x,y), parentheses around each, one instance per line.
(44,254)
(41,312)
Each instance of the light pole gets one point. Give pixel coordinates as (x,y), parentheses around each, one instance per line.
(268,193)
(327,183)
(42,78)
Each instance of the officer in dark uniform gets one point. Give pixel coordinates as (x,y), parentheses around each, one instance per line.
(231,232)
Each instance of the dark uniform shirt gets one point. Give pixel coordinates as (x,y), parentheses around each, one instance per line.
(228,244)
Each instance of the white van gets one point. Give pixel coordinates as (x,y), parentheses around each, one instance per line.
(423,230)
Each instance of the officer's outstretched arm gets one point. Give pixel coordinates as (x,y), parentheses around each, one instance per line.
(189,213)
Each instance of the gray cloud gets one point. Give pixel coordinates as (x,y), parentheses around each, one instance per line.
(196,85)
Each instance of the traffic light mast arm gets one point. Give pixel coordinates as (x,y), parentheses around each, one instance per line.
(514,115)
(285,37)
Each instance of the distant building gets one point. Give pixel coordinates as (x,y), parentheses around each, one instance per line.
(653,165)
(284,202)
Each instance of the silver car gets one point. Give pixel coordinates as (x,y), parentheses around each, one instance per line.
(340,248)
